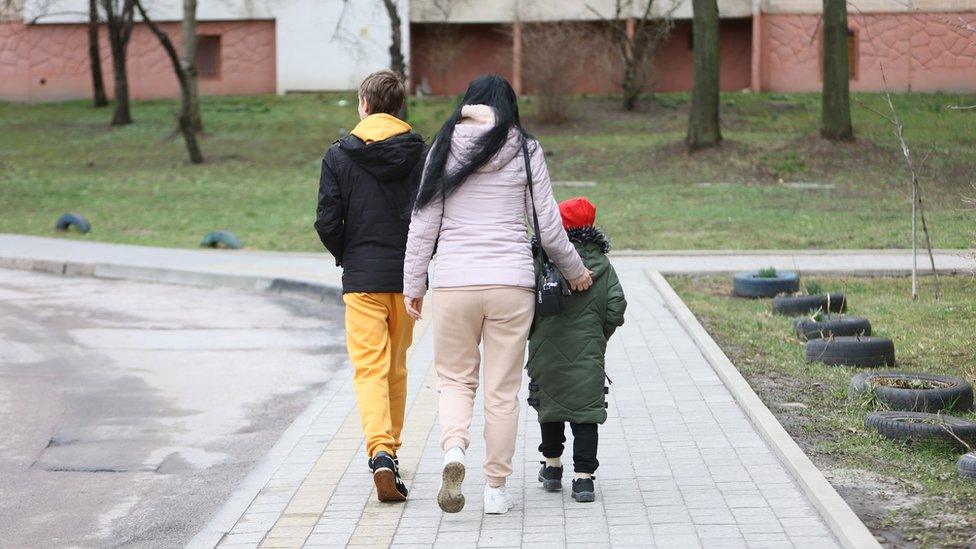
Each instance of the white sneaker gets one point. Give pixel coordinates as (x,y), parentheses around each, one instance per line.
(449,496)
(497,500)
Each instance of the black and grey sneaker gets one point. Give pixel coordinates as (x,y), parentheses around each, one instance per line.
(551,477)
(369,462)
(583,490)
(386,477)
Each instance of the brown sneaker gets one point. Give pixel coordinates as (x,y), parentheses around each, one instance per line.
(386,477)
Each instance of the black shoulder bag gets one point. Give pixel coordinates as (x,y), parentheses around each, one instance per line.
(550,286)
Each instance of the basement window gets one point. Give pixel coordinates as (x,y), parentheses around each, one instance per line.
(852,50)
(208,56)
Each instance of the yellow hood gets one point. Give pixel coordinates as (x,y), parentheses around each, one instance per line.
(380,126)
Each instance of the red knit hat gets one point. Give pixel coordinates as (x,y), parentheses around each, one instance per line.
(577,212)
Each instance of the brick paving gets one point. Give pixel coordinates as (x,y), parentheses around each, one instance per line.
(681,466)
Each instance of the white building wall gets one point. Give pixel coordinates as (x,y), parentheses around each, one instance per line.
(319,44)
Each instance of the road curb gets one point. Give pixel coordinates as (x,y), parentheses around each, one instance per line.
(840,518)
(231,510)
(807,252)
(119,271)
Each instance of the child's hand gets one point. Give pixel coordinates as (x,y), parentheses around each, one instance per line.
(583,282)
(414,305)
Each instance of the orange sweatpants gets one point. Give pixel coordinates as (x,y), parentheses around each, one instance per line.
(378,334)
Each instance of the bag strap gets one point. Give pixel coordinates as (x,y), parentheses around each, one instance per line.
(535,215)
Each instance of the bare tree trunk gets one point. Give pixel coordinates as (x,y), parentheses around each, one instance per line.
(918,207)
(189,61)
(119,18)
(836,110)
(183,117)
(397,63)
(94,57)
(703,125)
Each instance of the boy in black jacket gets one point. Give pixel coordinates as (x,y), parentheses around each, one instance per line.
(366,190)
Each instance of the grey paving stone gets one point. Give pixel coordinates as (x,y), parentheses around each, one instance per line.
(681,466)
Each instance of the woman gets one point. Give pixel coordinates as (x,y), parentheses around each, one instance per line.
(472,207)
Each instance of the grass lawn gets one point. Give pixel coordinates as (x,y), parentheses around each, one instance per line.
(263,155)
(906,494)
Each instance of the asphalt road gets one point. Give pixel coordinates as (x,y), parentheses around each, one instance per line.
(130,411)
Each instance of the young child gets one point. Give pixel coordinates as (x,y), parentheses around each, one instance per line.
(366,190)
(566,357)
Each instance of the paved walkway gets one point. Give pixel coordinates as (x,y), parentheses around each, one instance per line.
(681,465)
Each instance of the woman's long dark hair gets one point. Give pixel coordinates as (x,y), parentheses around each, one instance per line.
(487,89)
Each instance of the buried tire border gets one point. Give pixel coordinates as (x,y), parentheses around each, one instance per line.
(836,326)
(957,397)
(867,351)
(923,427)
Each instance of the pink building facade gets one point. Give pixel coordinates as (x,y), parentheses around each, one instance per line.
(50,62)
(933,51)
(766,45)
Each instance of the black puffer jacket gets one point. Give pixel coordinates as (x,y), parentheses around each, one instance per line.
(366,194)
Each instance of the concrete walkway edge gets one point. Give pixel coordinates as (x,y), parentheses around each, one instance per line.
(321,291)
(845,524)
(224,519)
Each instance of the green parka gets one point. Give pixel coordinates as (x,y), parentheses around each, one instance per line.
(566,352)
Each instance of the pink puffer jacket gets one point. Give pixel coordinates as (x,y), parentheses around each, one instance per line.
(481,230)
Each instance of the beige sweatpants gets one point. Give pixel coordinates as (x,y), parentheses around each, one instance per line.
(500,318)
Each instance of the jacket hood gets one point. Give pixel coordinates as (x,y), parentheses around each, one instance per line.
(390,159)
(379,126)
(475,122)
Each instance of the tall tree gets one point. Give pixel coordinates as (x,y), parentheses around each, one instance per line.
(703,126)
(188,59)
(835,114)
(94,56)
(119,17)
(184,117)
(397,63)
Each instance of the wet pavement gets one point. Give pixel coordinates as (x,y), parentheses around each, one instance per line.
(130,411)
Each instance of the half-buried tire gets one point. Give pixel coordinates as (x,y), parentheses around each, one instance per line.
(221,239)
(832,326)
(967,466)
(750,284)
(915,392)
(921,427)
(805,304)
(852,351)
(68,220)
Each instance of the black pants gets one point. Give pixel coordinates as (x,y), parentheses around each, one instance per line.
(585,440)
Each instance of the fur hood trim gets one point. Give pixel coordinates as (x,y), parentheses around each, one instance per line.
(585,235)
(590,235)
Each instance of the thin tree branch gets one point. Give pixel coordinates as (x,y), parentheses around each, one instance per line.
(916,186)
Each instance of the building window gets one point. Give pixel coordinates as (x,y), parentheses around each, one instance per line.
(208,56)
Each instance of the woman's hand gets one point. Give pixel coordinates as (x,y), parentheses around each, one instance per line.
(583,282)
(414,305)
